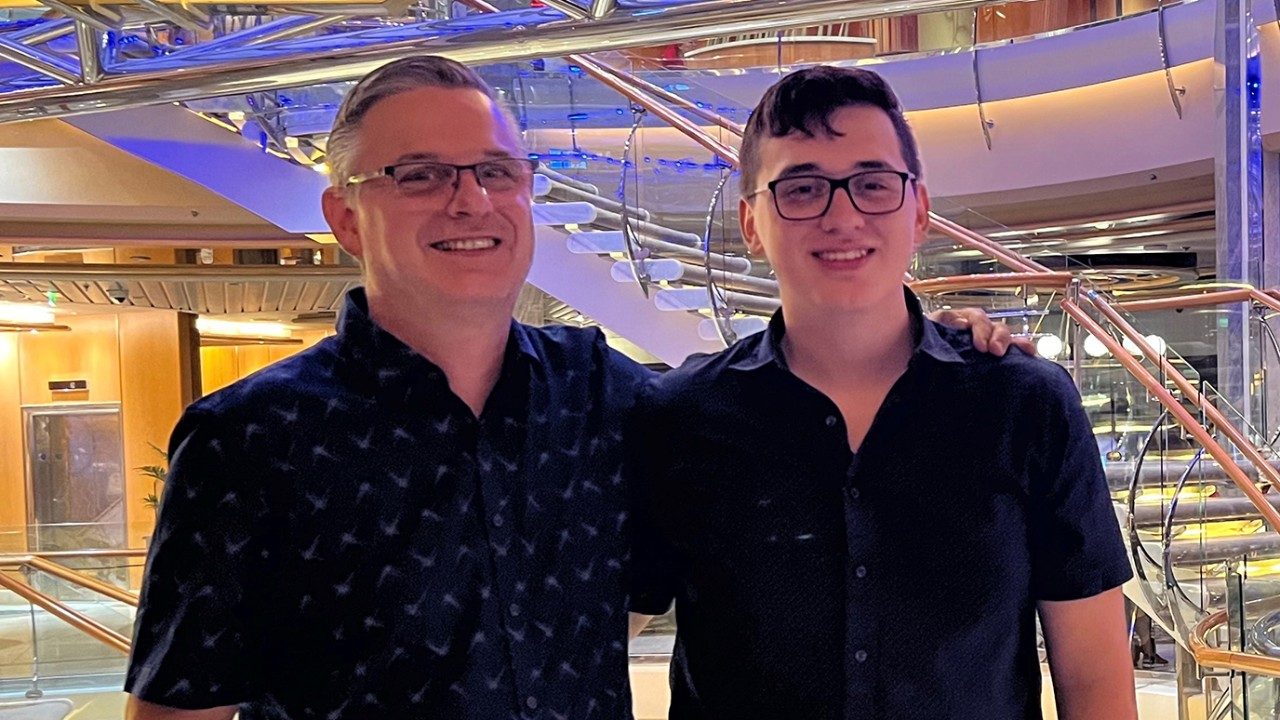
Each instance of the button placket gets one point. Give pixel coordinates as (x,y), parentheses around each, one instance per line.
(507,566)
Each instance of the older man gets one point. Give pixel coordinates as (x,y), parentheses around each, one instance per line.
(422,517)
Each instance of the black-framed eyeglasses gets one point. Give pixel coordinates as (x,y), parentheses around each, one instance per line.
(806,197)
(415,179)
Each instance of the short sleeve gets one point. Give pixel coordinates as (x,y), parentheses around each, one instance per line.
(1077,550)
(654,565)
(194,633)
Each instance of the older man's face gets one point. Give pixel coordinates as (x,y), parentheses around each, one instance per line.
(464,244)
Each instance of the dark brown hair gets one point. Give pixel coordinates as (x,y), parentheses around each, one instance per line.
(804,102)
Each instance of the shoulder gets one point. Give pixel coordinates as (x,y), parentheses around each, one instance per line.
(702,373)
(308,374)
(1016,369)
(565,350)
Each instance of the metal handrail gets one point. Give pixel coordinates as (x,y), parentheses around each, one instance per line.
(1218,297)
(1055,280)
(1207,655)
(1170,577)
(41,562)
(77,578)
(1132,499)
(60,610)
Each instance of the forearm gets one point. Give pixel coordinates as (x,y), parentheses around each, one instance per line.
(1089,657)
(1111,698)
(137,709)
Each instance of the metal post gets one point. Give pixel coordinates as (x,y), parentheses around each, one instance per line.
(89,47)
(34,692)
(1270,424)
(1074,338)
(45,63)
(1238,191)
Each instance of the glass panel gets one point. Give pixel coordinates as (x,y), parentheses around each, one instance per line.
(51,665)
(75,471)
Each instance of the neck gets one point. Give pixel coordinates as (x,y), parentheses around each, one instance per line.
(848,347)
(466,342)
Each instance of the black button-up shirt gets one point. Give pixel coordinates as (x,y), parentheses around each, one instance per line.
(341,537)
(898,582)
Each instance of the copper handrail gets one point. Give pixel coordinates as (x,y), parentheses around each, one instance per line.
(84,581)
(78,620)
(1175,408)
(1058,280)
(1207,655)
(990,248)
(1215,415)
(1217,297)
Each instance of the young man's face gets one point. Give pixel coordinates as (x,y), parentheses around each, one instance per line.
(464,245)
(845,259)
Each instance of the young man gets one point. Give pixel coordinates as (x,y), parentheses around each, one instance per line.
(856,514)
(422,517)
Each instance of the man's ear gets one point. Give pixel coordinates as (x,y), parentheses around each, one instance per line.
(342,220)
(922,213)
(747,223)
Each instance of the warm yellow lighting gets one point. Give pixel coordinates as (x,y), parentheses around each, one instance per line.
(1227,528)
(18,314)
(1258,568)
(1162,496)
(230,328)
(322,168)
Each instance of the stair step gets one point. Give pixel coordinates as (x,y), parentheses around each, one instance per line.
(563,213)
(1195,510)
(597,242)
(742,327)
(659,269)
(1203,551)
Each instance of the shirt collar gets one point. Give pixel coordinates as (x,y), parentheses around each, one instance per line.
(383,355)
(765,348)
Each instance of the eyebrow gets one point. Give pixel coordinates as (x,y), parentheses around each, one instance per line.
(812,168)
(432,157)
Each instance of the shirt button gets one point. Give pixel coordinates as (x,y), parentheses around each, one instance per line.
(514,610)
(831,421)
(860,656)
(861,571)
(854,493)
(531,702)
(497,521)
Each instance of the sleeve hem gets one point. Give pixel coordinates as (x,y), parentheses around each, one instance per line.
(1099,583)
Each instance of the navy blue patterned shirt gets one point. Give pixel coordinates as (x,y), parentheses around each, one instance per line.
(341,537)
(897,582)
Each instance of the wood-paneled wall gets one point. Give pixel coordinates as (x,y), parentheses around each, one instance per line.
(13,494)
(134,358)
(222,365)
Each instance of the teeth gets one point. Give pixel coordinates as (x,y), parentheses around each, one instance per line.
(471,244)
(845,255)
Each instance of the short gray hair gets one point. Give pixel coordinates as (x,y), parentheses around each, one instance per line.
(393,78)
